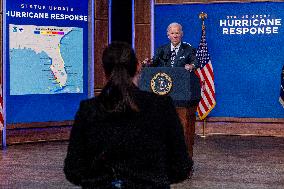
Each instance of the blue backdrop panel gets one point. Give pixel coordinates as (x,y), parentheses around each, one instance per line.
(55,106)
(247,64)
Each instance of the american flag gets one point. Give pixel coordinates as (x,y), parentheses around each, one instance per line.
(281,98)
(206,76)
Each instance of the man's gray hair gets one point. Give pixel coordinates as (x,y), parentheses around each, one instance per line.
(174,24)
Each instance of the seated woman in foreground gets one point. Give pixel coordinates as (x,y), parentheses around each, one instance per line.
(125,137)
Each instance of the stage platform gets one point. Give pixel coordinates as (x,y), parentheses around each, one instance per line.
(243,162)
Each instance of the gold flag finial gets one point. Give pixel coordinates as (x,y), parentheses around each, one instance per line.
(203,16)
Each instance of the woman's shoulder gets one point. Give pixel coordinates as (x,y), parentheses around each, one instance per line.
(88,105)
(88,102)
(91,109)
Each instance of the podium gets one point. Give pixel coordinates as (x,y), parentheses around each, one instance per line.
(184,88)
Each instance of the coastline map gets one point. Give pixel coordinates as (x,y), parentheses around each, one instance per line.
(45,59)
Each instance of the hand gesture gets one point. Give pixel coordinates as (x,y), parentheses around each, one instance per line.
(189,67)
(146,62)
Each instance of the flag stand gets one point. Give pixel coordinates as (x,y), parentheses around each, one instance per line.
(203,128)
(206,76)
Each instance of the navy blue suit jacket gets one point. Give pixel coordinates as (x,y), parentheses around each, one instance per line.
(185,55)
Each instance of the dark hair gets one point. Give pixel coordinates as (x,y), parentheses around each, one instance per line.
(120,66)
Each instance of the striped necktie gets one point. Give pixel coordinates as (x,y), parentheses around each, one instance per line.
(173,57)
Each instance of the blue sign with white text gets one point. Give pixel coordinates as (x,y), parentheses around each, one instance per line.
(47,59)
(245,42)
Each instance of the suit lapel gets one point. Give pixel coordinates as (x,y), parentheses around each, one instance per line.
(179,54)
(167,52)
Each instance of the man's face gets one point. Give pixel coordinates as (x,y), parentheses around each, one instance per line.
(175,35)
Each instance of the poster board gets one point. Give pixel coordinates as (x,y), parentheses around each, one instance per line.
(46,64)
(245,42)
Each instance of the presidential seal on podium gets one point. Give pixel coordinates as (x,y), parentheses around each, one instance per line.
(161,83)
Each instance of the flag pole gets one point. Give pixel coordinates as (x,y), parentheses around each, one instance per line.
(203,128)
(203,16)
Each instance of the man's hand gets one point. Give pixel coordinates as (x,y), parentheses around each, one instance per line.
(146,62)
(189,67)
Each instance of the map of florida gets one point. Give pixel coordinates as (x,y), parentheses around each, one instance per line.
(42,39)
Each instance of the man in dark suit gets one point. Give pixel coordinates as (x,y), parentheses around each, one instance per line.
(176,53)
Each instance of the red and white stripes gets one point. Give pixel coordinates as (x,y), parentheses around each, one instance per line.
(208,99)
(206,76)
